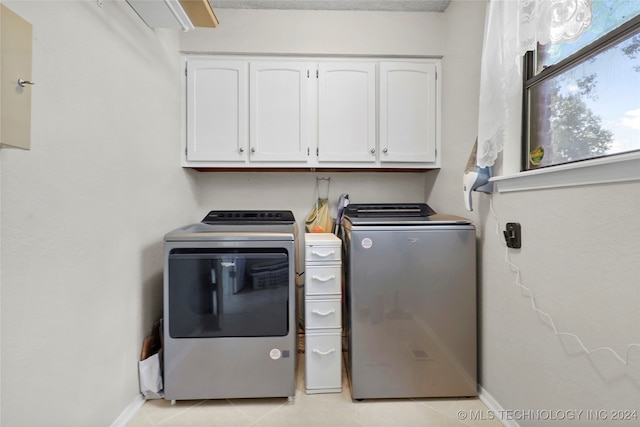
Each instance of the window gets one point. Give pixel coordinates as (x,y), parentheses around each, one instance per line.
(582,98)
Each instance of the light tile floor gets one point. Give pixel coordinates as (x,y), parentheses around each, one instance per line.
(330,410)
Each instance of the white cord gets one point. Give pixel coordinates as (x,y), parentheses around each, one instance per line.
(529,293)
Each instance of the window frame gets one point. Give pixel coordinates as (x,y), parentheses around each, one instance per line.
(531,79)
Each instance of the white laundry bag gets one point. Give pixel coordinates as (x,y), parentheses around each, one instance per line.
(150,364)
(151,377)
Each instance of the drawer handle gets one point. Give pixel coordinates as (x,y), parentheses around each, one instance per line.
(321,279)
(324,353)
(324,314)
(323,255)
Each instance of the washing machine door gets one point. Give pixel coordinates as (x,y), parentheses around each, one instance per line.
(222,293)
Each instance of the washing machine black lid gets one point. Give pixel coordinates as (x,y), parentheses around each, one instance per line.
(249,217)
(398,214)
(388,210)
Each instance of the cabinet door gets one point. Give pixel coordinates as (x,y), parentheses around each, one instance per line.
(408,101)
(15,63)
(347,115)
(217,118)
(278,109)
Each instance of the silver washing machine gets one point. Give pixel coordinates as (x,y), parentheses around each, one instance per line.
(410,280)
(229,307)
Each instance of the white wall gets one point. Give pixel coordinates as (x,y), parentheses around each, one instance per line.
(320,32)
(84,212)
(579,257)
(464,24)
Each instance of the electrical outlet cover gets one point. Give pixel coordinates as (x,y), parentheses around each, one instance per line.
(513,235)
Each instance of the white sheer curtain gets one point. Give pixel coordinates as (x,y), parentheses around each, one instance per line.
(512,28)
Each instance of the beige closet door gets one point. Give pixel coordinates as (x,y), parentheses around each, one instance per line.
(15,64)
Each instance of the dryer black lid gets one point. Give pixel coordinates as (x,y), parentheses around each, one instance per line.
(388,210)
(240,217)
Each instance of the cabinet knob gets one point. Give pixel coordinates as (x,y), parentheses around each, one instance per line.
(241,149)
(253,149)
(373,151)
(385,150)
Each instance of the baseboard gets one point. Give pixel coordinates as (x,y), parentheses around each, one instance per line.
(128,413)
(493,406)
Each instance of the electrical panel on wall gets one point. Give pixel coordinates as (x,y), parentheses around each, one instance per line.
(16,84)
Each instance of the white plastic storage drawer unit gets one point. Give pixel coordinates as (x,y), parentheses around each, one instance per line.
(323,313)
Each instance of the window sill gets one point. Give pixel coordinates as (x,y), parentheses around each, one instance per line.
(619,168)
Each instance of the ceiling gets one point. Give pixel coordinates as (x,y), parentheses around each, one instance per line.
(384,5)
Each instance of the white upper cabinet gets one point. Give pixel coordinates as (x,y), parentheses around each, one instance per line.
(287,112)
(408,113)
(278,111)
(347,112)
(217,111)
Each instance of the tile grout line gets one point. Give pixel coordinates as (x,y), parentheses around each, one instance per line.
(181,412)
(236,407)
